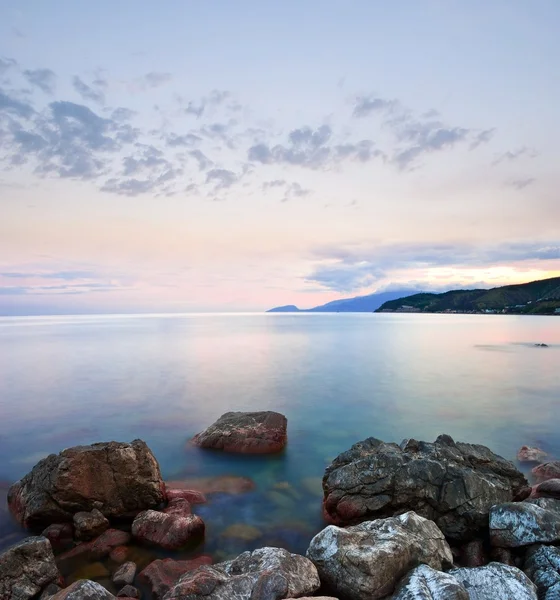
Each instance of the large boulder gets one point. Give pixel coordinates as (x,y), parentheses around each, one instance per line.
(496,581)
(542,566)
(169,531)
(160,575)
(266,573)
(246,432)
(523,523)
(26,568)
(425,583)
(84,589)
(453,484)
(116,478)
(366,561)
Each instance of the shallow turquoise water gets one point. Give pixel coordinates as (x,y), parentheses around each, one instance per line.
(338,378)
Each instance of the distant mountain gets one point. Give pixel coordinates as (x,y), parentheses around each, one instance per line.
(368,303)
(536,297)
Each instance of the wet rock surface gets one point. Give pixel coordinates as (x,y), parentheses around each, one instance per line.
(548,470)
(26,568)
(542,566)
(84,590)
(113,477)
(366,561)
(453,484)
(528,454)
(124,574)
(169,531)
(496,581)
(264,573)
(88,525)
(262,432)
(425,583)
(161,575)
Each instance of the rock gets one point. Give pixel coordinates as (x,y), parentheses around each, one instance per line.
(453,484)
(170,532)
(89,525)
(541,345)
(542,566)
(222,484)
(98,548)
(191,496)
(125,574)
(60,535)
(160,575)
(178,506)
(502,555)
(425,583)
(523,523)
(84,590)
(365,561)
(528,454)
(26,568)
(128,591)
(51,590)
(264,574)
(548,489)
(114,477)
(242,531)
(119,554)
(314,598)
(246,432)
(496,581)
(91,570)
(548,470)
(473,554)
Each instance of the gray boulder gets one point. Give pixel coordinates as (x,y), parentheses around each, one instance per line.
(542,566)
(26,568)
(366,561)
(261,432)
(88,525)
(84,589)
(453,484)
(125,574)
(523,523)
(496,581)
(425,583)
(116,478)
(264,574)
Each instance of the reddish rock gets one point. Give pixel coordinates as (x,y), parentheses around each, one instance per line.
(549,470)
(226,484)
(113,477)
(179,507)
(170,532)
(60,535)
(528,454)
(191,496)
(548,489)
(473,554)
(88,525)
(125,574)
(503,555)
(161,575)
(128,591)
(84,590)
(107,541)
(119,554)
(262,432)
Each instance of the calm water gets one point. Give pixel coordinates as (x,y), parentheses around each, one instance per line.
(338,378)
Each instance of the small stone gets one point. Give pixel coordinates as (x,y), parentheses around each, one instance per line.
(473,554)
(109,540)
(170,532)
(89,525)
(191,496)
(125,574)
(503,555)
(161,575)
(528,454)
(128,591)
(84,590)
(60,535)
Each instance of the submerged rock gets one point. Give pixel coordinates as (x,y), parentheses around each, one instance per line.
(523,523)
(453,484)
(366,561)
(26,568)
(548,470)
(496,581)
(262,574)
(116,478)
(528,454)
(191,496)
(84,590)
(220,484)
(169,531)
(160,575)
(246,432)
(60,535)
(425,583)
(542,566)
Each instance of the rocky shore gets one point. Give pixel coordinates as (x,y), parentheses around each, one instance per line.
(411,521)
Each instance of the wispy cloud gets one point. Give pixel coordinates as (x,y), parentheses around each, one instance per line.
(44,79)
(87,92)
(512,155)
(521,184)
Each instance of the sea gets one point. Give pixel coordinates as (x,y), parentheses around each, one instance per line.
(338,378)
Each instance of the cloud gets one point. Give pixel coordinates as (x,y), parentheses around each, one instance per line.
(215,99)
(366,105)
(6,64)
(512,155)
(122,114)
(188,140)
(155,79)
(295,190)
(44,79)
(203,161)
(520,184)
(222,178)
(136,187)
(274,184)
(14,107)
(483,137)
(67,275)
(86,92)
(343,277)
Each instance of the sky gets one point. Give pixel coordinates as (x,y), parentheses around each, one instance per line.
(189,156)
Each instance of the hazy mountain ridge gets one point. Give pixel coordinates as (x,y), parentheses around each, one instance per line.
(535,297)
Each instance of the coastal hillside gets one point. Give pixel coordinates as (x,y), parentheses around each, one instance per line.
(536,297)
(369,303)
